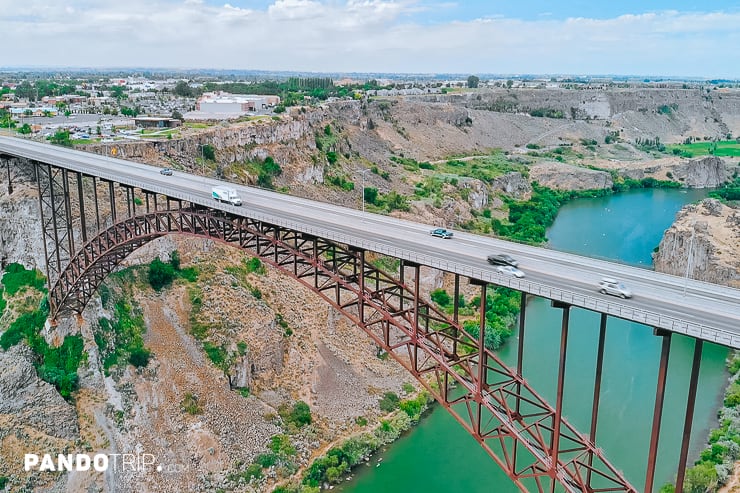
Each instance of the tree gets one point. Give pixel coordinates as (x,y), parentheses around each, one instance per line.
(182,88)
(61,137)
(473,81)
(509,83)
(176,115)
(208,152)
(160,274)
(25,129)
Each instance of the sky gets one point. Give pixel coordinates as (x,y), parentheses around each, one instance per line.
(595,37)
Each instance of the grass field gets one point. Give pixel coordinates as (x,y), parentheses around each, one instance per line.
(725,148)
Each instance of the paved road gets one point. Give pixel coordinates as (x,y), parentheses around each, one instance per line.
(710,312)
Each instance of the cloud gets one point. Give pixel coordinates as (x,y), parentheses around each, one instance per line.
(361,35)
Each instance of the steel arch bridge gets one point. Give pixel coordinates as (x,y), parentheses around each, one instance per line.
(91,224)
(524,434)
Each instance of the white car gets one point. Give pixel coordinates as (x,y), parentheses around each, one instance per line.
(509,270)
(614,287)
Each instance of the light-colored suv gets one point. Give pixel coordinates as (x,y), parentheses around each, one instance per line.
(614,287)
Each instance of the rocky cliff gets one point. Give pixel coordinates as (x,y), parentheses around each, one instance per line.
(703,241)
(561,176)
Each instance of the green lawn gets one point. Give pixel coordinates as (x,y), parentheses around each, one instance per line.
(726,148)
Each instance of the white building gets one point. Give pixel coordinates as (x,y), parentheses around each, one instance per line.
(221,102)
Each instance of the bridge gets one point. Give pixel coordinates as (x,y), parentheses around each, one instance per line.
(324,246)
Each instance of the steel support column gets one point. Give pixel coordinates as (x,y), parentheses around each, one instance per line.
(658,409)
(361,286)
(688,421)
(97,208)
(555,439)
(481,383)
(112,197)
(68,212)
(10,182)
(597,388)
(415,337)
(81,199)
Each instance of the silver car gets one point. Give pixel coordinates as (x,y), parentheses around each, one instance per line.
(607,285)
(509,270)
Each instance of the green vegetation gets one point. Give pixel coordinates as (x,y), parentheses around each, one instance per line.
(296,416)
(547,113)
(61,137)
(339,460)
(162,274)
(3,303)
(724,148)
(16,278)
(208,152)
(389,402)
(502,306)
(190,404)
(730,192)
(281,456)
(218,355)
(667,109)
(55,365)
(340,181)
(122,337)
(386,264)
(267,171)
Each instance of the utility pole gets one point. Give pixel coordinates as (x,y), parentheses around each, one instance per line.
(362,192)
(688,258)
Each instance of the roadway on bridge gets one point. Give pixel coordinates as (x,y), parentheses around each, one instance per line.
(708,311)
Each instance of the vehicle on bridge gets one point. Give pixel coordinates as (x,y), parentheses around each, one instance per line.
(607,285)
(508,270)
(441,233)
(502,259)
(165,172)
(226,194)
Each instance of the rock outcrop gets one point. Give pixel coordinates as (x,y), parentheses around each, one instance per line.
(513,184)
(705,241)
(561,176)
(32,401)
(707,172)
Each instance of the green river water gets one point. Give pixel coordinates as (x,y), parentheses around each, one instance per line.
(438,456)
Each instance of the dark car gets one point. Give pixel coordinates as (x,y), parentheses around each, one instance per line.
(165,171)
(502,259)
(441,233)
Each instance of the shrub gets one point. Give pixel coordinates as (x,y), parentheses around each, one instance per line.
(160,274)
(266,460)
(255,265)
(139,357)
(208,152)
(280,444)
(190,404)
(440,297)
(389,402)
(299,415)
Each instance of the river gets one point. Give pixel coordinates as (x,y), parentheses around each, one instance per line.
(438,456)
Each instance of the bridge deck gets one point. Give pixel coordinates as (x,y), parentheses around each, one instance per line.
(702,310)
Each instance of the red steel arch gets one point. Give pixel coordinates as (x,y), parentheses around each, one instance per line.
(536,447)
